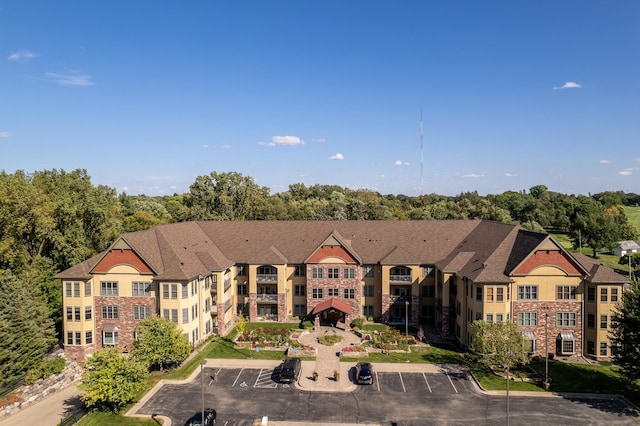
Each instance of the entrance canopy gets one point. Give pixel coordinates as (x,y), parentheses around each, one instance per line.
(333,303)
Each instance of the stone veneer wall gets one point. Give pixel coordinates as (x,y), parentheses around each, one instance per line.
(125,322)
(551,308)
(29,395)
(340,283)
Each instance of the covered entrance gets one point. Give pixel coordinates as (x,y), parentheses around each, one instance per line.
(332,311)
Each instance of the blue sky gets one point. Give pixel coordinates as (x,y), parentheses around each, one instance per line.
(148,95)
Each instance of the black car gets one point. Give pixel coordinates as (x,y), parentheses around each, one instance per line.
(209,418)
(364,373)
(290,370)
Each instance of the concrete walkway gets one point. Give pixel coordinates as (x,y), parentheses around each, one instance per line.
(49,411)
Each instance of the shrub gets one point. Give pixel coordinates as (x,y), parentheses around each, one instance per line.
(357,323)
(45,369)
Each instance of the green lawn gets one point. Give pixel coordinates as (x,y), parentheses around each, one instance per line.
(633,214)
(110,419)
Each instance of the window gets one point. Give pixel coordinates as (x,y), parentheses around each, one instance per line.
(316,293)
(76,289)
(367,290)
(603,348)
(141,288)
(174,315)
(614,294)
(479,293)
(333,273)
(349,273)
(591,320)
(489,318)
(591,294)
(69,313)
(527,292)
(527,318)
(316,272)
(299,290)
(565,319)
(242,289)
(194,311)
(185,315)
(207,305)
(300,309)
(87,313)
(489,294)
(185,290)
(242,269)
(568,346)
(367,271)
(207,282)
(88,337)
(333,292)
(367,311)
(165,291)
(565,292)
(109,288)
(69,337)
(498,318)
(604,321)
(478,316)
(110,337)
(299,271)
(428,271)
(349,293)
(76,313)
(194,287)
(166,314)
(428,291)
(87,289)
(68,292)
(591,347)
(109,312)
(78,336)
(141,312)
(604,294)
(499,294)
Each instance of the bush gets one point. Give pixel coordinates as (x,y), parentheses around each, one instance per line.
(357,323)
(45,369)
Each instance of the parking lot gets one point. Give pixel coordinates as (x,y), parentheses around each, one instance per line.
(242,395)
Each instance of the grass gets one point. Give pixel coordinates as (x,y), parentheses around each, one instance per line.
(110,419)
(430,355)
(330,339)
(633,215)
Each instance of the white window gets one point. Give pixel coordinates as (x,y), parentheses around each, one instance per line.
(87,289)
(527,292)
(527,318)
(299,290)
(333,292)
(565,319)
(109,312)
(141,288)
(316,293)
(185,315)
(349,273)
(316,273)
(349,293)
(109,288)
(141,312)
(333,273)
(87,313)
(110,337)
(185,290)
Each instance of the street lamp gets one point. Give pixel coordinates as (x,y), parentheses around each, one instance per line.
(202,363)
(546,349)
(247,302)
(506,368)
(406,317)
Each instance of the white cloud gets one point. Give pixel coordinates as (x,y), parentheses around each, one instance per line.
(283,140)
(604,162)
(568,85)
(321,140)
(5,135)
(73,79)
(511,174)
(22,56)
(205,146)
(336,156)
(400,163)
(473,175)
(226,146)
(626,172)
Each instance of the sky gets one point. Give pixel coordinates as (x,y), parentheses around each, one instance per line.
(398,97)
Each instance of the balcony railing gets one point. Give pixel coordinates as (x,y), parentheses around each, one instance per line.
(227,285)
(214,310)
(400,299)
(400,278)
(267,298)
(267,278)
(227,305)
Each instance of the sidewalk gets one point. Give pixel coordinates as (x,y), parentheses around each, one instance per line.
(49,411)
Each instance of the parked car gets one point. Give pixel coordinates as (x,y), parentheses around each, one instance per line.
(290,370)
(209,418)
(364,373)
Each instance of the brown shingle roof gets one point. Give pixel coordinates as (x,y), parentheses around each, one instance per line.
(599,273)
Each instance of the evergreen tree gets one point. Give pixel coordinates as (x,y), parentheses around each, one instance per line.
(625,345)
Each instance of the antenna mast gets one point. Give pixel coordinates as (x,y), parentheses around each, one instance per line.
(421,157)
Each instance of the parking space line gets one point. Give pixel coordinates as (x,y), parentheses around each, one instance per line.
(454,387)
(377,382)
(427,382)
(402,381)
(258,378)
(237,377)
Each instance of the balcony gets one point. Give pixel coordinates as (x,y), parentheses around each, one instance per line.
(227,305)
(400,279)
(267,298)
(227,285)
(399,299)
(214,311)
(267,278)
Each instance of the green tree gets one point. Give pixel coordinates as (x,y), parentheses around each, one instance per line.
(625,342)
(499,343)
(111,380)
(25,326)
(159,340)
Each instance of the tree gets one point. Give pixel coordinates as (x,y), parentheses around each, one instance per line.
(158,341)
(499,343)
(25,326)
(625,344)
(111,380)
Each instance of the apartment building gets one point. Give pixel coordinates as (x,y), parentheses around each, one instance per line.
(202,275)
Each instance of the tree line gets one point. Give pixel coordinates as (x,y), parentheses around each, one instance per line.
(53,219)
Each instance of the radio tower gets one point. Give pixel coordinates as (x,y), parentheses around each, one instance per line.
(421,157)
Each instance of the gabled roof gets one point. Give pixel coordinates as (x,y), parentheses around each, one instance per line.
(332,303)
(628,245)
(335,239)
(599,273)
